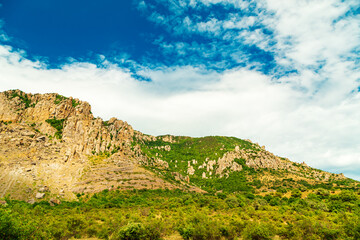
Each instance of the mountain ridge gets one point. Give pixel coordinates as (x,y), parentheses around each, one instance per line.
(53,147)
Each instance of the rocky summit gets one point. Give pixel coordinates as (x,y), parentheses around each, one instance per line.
(52,147)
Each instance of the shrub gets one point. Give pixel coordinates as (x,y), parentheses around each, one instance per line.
(74,103)
(347,196)
(137,231)
(12,228)
(58,124)
(59,98)
(232,202)
(221,195)
(322,193)
(258,231)
(154,230)
(296,193)
(75,225)
(228,231)
(8,229)
(200,227)
(23,97)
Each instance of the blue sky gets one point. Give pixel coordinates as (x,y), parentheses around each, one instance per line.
(282,73)
(150,33)
(57,30)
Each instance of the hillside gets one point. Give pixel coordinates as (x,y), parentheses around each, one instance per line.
(52,147)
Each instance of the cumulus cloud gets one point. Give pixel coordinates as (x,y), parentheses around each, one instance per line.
(181,100)
(309,33)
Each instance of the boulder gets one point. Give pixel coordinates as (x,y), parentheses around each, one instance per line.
(54,201)
(40,195)
(43,189)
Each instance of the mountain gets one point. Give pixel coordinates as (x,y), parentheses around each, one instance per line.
(51,146)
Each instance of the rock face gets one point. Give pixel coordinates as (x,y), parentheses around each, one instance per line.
(54,141)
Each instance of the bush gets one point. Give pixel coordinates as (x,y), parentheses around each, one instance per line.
(12,228)
(258,231)
(58,124)
(8,229)
(137,231)
(229,232)
(296,193)
(132,231)
(200,227)
(75,225)
(232,202)
(221,195)
(347,196)
(323,193)
(154,230)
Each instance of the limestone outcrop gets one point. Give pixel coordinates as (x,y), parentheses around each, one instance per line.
(55,141)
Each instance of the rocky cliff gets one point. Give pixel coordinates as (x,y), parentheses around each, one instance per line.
(51,146)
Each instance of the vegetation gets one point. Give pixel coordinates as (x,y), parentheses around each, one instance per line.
(5,122)
(22,96)
(106,123)
(58,124)
(182,152)
(159,214)
(74,103)
(59,98)
(197,151)
(98,158)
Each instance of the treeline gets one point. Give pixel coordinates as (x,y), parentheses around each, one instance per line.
(165,214)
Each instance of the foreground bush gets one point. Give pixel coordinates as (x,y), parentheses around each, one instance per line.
(8,230)
(201,227)
(259,231)
(132,231)
(138,231)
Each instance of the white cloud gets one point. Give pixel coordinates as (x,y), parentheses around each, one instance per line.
(237,22)
(238,102)
(314,33)
(212,26)
(158,18)
(236,3)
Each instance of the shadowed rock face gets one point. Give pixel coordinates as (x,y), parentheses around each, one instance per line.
(48,141)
